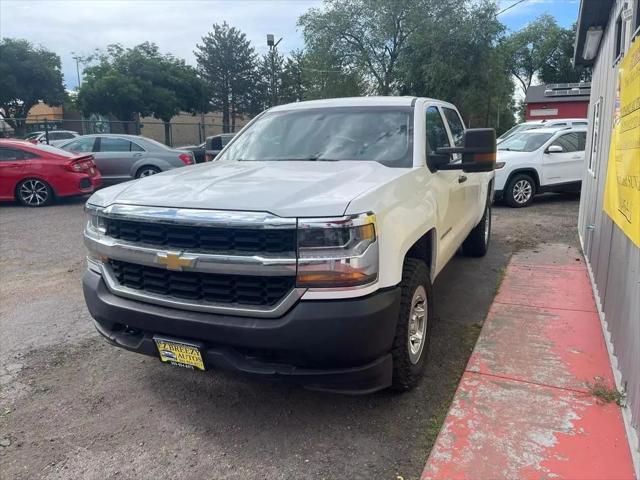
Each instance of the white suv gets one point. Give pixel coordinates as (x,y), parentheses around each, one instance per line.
(538,161)
(533,124)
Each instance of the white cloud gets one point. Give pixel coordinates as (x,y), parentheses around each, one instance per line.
(176,26)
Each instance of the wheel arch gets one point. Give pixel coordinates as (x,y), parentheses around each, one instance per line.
(532,172)
(424,249)
(33,177)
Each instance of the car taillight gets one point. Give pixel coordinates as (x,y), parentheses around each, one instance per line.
(79,165)
(186,158)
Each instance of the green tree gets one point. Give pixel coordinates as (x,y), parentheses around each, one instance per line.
(327,74)
(371,35)
(271,69)
(528,50)
(560,68)
(455,58)
(140,80)
(292,82)
(28,74)
(227,61)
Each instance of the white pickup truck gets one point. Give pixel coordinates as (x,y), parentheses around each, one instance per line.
(306,250)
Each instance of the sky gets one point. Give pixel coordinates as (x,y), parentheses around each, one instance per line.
(77,27)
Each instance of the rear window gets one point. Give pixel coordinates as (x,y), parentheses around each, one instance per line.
(54,150)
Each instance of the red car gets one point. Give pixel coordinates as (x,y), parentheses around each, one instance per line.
(37,174)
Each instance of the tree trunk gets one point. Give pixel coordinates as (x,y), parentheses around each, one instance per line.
(225,116)
(167,133)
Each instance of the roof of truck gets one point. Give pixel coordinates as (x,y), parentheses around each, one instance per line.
(355,102)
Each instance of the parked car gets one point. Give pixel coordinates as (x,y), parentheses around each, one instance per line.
(215,144)
(124,157)
(307,250)
(556,123)
(35,175)
(538,161)
(56,137)
(198,151)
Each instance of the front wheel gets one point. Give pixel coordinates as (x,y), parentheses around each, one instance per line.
(477,242)
(413,330)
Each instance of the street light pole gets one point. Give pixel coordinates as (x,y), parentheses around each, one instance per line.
(77,58)
(273,49)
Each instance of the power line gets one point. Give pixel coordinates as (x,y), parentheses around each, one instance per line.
(510,7)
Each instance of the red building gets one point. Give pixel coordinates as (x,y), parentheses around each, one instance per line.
(557,100)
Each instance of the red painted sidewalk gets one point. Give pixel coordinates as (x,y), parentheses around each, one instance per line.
(523,407)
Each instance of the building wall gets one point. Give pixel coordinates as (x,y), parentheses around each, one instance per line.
(186,129)
(564,110)
(614,259)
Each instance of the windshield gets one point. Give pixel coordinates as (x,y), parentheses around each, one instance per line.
(381,135)
(525,141)
(523,127)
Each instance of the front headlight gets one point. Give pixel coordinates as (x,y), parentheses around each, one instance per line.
(337,252)
(95,221)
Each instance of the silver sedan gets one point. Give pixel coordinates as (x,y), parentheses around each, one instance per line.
(124,157)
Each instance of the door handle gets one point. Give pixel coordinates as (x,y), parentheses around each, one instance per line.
(462,178)
(137,154)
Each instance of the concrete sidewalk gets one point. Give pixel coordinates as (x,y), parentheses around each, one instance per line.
(525,406)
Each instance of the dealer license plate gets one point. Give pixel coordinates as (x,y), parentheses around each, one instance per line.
(180,354)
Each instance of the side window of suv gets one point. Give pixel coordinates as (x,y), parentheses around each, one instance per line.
(571,142)
(455,125)
(436,132)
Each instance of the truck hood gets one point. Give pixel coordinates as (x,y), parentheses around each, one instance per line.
(286,189)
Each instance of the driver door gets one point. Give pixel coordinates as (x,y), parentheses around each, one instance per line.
(448,185)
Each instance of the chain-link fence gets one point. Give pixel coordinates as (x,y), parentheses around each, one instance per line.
(176,133)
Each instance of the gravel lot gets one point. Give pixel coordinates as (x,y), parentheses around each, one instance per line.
(72,406)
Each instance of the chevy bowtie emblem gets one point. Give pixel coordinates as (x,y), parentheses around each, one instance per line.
(174,261)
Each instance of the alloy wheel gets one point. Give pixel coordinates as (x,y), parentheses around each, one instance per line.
(417,324)
(34,193)
(147,172)
(522,191)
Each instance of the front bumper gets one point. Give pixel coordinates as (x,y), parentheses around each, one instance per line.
(333,345)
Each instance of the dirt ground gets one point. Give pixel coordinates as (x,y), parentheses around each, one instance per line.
(72,406)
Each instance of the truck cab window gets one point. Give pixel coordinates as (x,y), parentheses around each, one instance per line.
(436,132)
(455,125)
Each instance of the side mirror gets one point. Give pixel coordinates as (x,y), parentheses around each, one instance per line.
(478,152)
(555,149)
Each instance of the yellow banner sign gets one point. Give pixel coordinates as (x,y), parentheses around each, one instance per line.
(622,189)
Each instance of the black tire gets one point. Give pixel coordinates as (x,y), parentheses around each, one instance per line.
(520,191)
(34,192)
(146,171)
(408,367)
(477,242)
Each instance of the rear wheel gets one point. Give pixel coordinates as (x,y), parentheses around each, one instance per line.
(34,193)
(413,330)
(147,171)
(477,242)
(520,191)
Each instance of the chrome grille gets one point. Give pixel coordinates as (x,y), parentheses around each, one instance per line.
(210,288)
(204,239)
